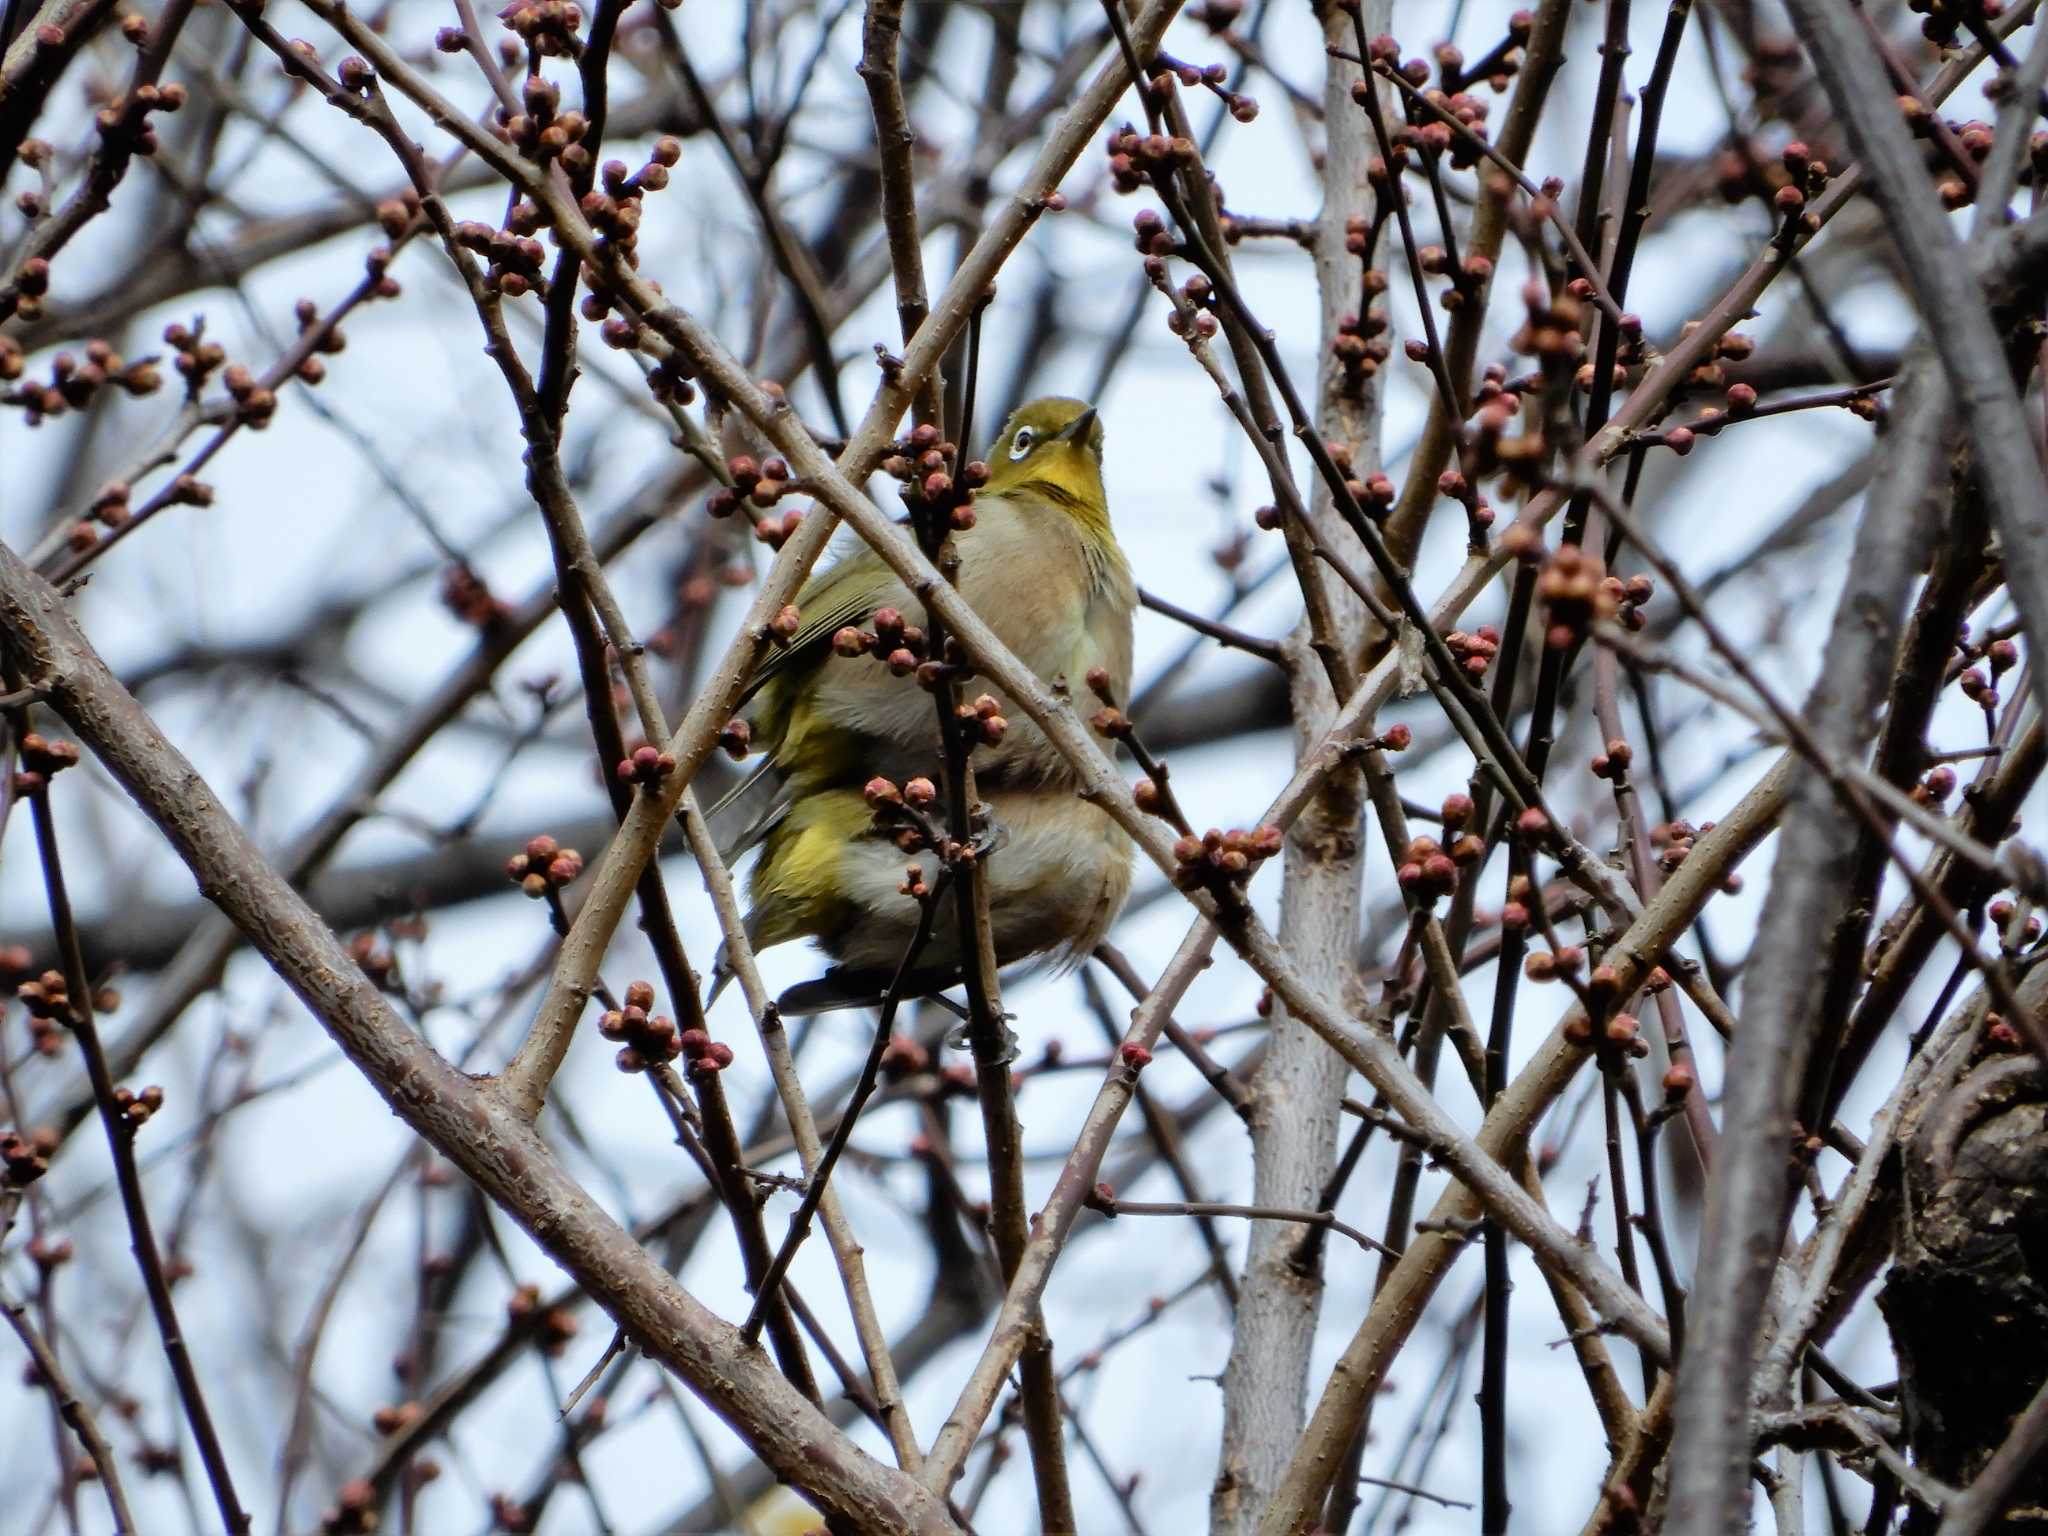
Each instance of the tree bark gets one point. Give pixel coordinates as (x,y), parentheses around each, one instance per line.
(1296,1094)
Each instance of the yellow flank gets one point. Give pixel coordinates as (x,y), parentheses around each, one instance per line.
(1042,567)
(796,883)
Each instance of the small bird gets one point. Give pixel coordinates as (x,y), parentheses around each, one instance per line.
(1042,567)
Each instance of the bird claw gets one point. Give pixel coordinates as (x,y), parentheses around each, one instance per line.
(961,1038)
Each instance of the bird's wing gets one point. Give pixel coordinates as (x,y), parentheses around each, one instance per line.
(844,595)
(748,811)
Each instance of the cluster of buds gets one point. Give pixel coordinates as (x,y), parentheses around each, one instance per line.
(1221,862)
(122,121)
(1934,790)
(75,383)
(1942,21)
(1376,168)
(31,283)
(1468,276)
(1560,964)
(469,597)
(197,358)
(615,211)
(399,216)
(2001,913)
(1455,485)
(1434,137)
(48,1000)
(1806,178)
(1135,157)
(905,813)
(1620,1035)
(646,766)
(1497,447)
(1150,235)
(1498,66)
(615,214)
(1375,494)
(703,1057)
(109,508)
(255,401)
(1550,329)
(547,27)
(902,647)
(1612,763)
(2001,656)
(135,1109)
(736,739)
(35,206)
(24,1159)
(1576,593)
(1628,353)
(1978,689)
(1673,841)
(939,497)
(1708,373)
(40,758)
(758,485)
(1360,346)
(1428,870)
(669,380)
(1564,587)
(512,263)
(542,131)
(543,866)
(1210,76)
(1192,316)
(354,1510)
(1386,49)
(327,337)
(644,1039)
(981,722)
(1738,403)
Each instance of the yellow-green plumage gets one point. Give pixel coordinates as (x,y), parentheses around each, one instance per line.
(1042,567)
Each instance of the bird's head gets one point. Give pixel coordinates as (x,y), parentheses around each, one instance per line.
(1053,446)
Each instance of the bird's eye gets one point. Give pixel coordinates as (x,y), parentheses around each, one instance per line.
(1021,443)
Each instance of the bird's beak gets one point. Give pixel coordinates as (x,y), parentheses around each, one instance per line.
(1077,430)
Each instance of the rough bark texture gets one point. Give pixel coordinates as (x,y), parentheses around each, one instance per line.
(1967,1296)
(1749,1197)
(1295,1096)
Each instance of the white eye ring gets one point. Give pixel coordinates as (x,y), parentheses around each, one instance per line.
(1021,444)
